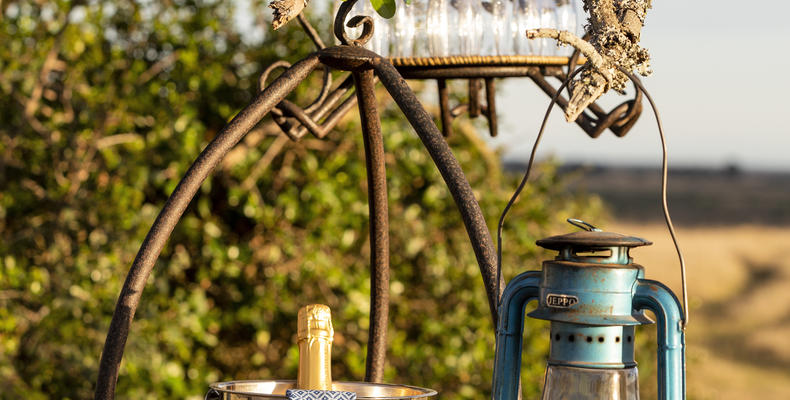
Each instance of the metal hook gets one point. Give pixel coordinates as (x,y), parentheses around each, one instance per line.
(583,225)
(340,31)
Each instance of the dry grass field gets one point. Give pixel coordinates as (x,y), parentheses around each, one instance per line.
(739,294)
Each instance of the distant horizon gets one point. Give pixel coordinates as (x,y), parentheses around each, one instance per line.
(625,164)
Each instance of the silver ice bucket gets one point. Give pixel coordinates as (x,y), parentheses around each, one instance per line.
(275,389)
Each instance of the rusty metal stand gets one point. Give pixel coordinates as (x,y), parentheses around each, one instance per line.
(363,64)
(451,172)
(318,119)
(163,226)
(594,122)
(379,226)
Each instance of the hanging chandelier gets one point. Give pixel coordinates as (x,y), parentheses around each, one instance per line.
(445,40)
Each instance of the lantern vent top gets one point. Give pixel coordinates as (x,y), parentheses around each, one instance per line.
(585,246)
(590,238)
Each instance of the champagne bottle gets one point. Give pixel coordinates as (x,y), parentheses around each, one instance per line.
(314,336)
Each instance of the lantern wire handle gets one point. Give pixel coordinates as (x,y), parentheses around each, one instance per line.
(524,179)
(583,225)
(667,218)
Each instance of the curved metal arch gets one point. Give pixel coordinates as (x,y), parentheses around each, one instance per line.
(172,211)
(349,58)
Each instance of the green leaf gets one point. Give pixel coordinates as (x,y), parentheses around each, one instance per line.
(385,8)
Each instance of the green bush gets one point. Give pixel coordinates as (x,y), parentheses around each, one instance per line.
(104,106)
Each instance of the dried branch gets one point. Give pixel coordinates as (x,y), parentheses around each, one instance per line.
(252,139)
(158,67)
(614,28)
(113,140)
(263,164)
(286,10)
(568,38)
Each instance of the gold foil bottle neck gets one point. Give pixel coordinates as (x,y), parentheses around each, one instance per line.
(315,320)
(315,334)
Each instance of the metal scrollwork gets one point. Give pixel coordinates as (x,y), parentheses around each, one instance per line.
(321,115)
(268,71)
(619,120)
(295,121)
(356,21)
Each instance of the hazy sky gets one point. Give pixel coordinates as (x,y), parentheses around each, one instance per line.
(720,81)
(719,78)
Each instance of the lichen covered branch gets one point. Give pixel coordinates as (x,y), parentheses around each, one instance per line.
(286,10)
(614,27)
(568,38)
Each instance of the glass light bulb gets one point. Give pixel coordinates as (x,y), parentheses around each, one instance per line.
(548,19)
(496,30)
(565,12)
(525,16)
(421,37)
(405,29)
(469,27)
(487,39)
(438,29)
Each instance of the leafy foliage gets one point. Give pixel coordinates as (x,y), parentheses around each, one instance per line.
(105,105)
(385,8)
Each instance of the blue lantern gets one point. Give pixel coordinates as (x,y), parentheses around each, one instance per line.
(594,296)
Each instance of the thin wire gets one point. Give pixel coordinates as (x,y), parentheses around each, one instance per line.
(665,208)
(524,179)
(667,218)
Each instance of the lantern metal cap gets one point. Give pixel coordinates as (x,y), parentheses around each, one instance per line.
(590,238)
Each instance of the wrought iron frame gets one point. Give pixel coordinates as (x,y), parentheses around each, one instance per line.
(364,69)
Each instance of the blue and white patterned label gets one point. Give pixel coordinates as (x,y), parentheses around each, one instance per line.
(299,394)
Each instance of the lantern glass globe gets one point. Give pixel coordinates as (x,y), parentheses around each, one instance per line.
(590,383)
